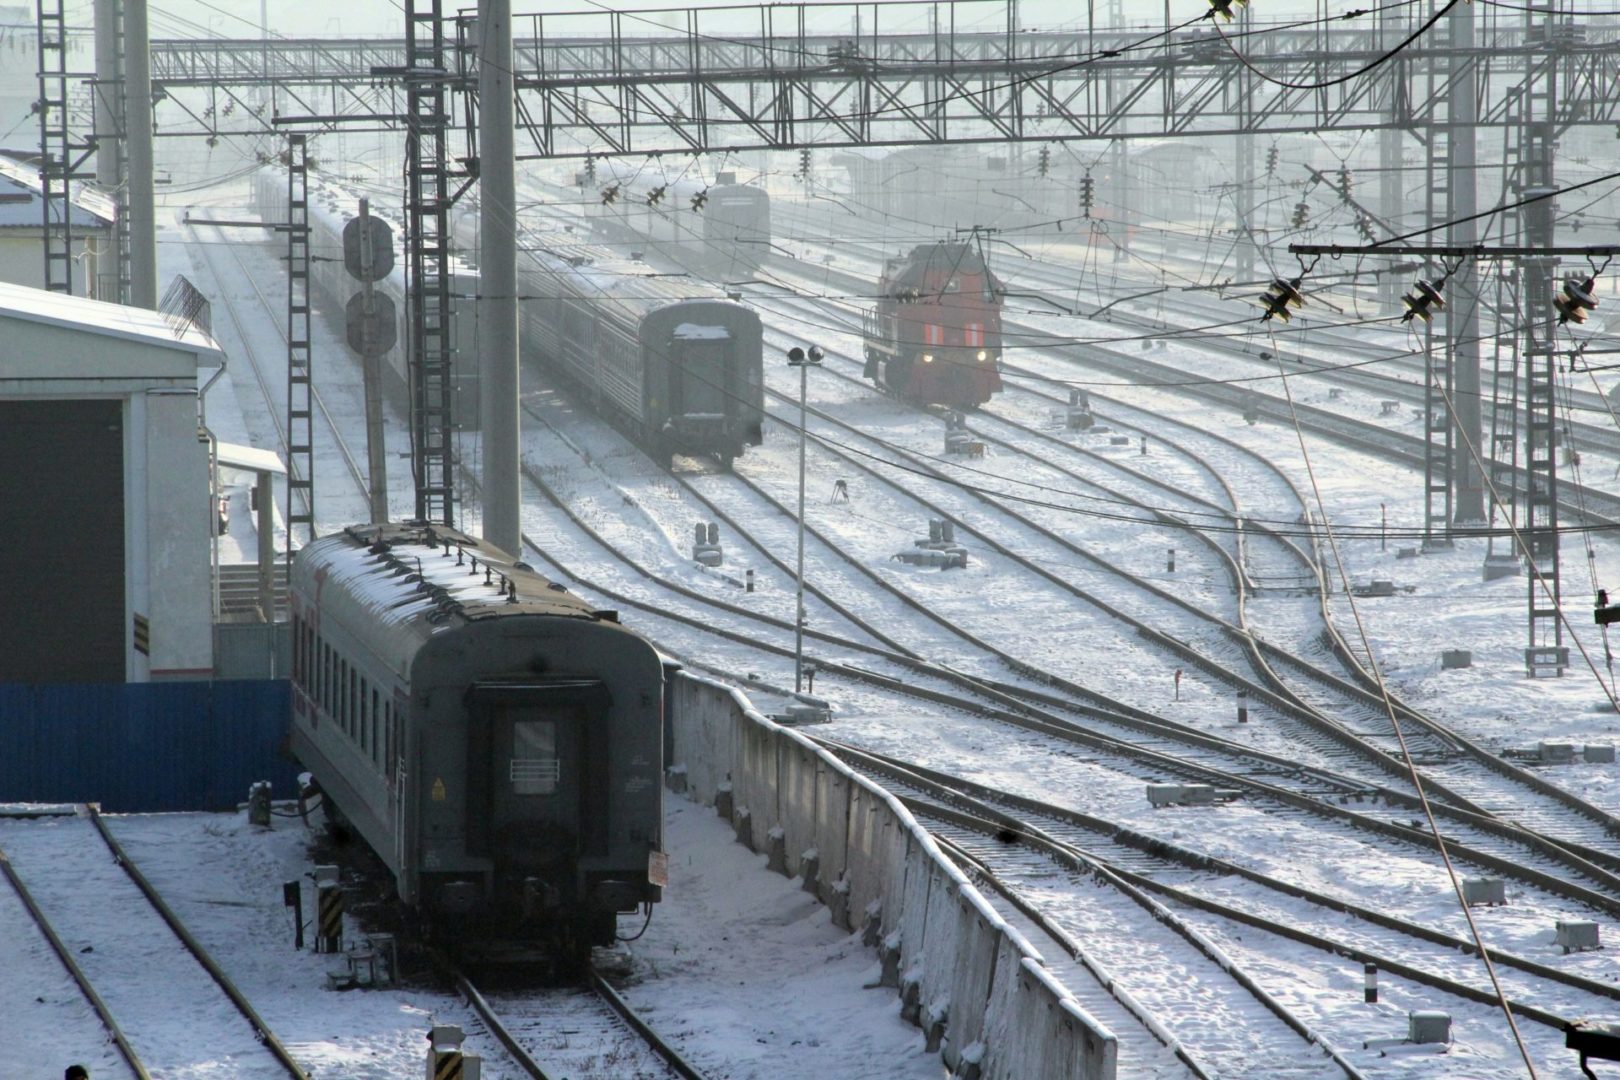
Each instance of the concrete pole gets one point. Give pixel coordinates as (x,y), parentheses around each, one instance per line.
(1462,322)
(109,121)
(497,268)
(143,291)
(798,577)
(265,522)
(1243,210)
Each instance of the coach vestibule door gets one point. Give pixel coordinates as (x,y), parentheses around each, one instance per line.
(546,776)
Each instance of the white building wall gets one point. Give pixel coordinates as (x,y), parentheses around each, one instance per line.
(177,538)
(22,259)
(166,538)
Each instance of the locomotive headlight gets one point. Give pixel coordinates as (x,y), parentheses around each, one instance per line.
(928,358)
(983,355)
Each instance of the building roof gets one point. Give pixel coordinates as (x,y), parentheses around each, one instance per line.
(20,199)
(99,317)
(249,458)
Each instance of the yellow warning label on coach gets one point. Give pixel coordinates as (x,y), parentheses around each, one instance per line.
(437,794)
(447,1065)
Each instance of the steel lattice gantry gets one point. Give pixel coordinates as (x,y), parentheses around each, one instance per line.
(607,83)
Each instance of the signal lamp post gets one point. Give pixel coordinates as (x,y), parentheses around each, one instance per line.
(804,361)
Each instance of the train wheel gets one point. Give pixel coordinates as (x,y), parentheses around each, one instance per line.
(727,459)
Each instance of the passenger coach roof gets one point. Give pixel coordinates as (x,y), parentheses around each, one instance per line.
(590,272)
(405,574)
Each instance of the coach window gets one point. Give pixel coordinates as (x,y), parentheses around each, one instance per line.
(326,678)
(365,687)
(534,768)
(375,708)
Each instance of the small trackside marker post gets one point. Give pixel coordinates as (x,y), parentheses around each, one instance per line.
(1243,706)
(328,910)
(1371,991)
(749,578)
(292,895)
(1178,684)
(1170,562)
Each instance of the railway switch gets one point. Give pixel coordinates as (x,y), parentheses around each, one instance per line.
(292,895)
(706,544)
(1428,1026)
(1576,936)
(1593,1039)
(1078,417)
(1488,891)
(258,807)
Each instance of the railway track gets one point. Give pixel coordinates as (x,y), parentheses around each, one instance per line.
(71,874)
(1337,715)
(583,1031)
(1298,809)
(1576,502)
(1005,837)
(272,388)
(1145,746)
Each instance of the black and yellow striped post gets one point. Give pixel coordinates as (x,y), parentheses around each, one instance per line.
(445,1059)
(447,1065)
(328,911)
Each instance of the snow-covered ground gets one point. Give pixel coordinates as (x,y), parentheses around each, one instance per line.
(739,968)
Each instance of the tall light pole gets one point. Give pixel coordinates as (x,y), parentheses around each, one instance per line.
(798,358)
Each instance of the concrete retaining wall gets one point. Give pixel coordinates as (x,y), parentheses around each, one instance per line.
(966,977)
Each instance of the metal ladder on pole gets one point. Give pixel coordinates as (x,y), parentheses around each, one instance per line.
(1545,653)
(1502,555)
(60,156)
(427,246)
(1439,429)
(300,362)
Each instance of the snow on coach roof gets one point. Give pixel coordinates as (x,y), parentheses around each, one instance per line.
(98,316)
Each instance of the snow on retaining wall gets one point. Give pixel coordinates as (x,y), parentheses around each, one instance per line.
(1003,1013)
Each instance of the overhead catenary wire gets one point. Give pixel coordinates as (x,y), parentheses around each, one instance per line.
(1413,772)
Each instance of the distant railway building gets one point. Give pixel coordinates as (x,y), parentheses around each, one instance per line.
(22,231)
(104,481)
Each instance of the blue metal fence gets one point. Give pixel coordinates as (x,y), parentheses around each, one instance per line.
(144,747)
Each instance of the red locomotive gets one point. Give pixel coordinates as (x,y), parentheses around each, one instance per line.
(935,335)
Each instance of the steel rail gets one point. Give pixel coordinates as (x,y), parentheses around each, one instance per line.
(261,1030)
(659,1046)
(103,1013)
(498,1028)
(1013,709)
(976,794)
(973,806)
(1365,693)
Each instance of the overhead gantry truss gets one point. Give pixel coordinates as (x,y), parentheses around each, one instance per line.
(622,83)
